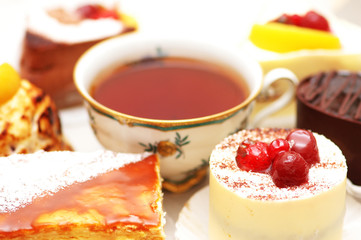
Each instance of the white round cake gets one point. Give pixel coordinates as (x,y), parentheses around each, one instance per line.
(248,205)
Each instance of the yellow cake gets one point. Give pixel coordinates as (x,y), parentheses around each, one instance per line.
(72,195)
(337,49)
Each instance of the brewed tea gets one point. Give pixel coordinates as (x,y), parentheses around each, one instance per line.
(170,89)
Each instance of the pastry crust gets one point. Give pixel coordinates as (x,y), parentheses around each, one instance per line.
(29,122)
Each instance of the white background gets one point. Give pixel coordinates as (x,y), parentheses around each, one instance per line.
(226,21)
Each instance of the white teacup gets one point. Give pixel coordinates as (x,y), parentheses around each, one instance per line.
(183,146)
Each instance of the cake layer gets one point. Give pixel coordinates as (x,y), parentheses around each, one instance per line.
(329,103)
(248,205)
(70,195)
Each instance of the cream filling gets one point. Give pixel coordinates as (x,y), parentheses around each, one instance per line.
(87,30)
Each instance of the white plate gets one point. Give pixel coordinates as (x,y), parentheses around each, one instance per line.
(192,222)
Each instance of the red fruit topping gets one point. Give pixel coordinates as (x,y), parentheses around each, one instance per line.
(289,19)
(314,20)
(96,11)
(253,157)
(277,146)
(286,160)
(310,20)
(108,14)
(284,18)
(248,142)
(289,169)
(295,19)
(304,143)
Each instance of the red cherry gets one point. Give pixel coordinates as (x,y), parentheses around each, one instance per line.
(108,14)
(277,146)
(289,169)
(253,157)
(248,142)
(295,19)
(96,11)
(304,143)
(284,18)
(88,11)
(315,21)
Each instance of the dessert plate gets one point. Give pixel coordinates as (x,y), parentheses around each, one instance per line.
(192,223)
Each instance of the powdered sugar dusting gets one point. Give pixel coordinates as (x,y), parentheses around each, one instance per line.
(329,172)
(24,177)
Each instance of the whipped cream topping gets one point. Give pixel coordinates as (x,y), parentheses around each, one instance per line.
(24,177)
(329,172)
(265,55)
(40,22)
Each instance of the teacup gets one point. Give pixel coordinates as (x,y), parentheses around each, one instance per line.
(183,146)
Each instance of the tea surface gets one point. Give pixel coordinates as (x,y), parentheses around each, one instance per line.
(170,89)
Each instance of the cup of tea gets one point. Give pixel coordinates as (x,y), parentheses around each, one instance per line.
(174,97)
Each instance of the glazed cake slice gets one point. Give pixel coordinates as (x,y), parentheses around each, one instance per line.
(72,195)
(249,205)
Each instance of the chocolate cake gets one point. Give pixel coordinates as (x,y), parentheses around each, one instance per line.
(330,103)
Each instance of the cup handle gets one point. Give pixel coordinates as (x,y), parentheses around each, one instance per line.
(271,77)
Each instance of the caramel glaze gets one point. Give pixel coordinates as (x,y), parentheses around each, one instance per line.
(336,93)
(125,189)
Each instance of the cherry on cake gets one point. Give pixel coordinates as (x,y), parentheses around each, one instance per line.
(294,32)
(277,184)
(99,195)
(304,42)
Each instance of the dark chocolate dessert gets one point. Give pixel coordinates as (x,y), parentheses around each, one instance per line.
(330,103)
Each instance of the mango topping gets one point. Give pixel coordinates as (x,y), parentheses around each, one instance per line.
(9,82)
(282,38)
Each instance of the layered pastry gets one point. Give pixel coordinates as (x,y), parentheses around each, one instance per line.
(29,119)
(304,42)
(329,103)
(293,32)
(73,195)
(277,184)
(56,37)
